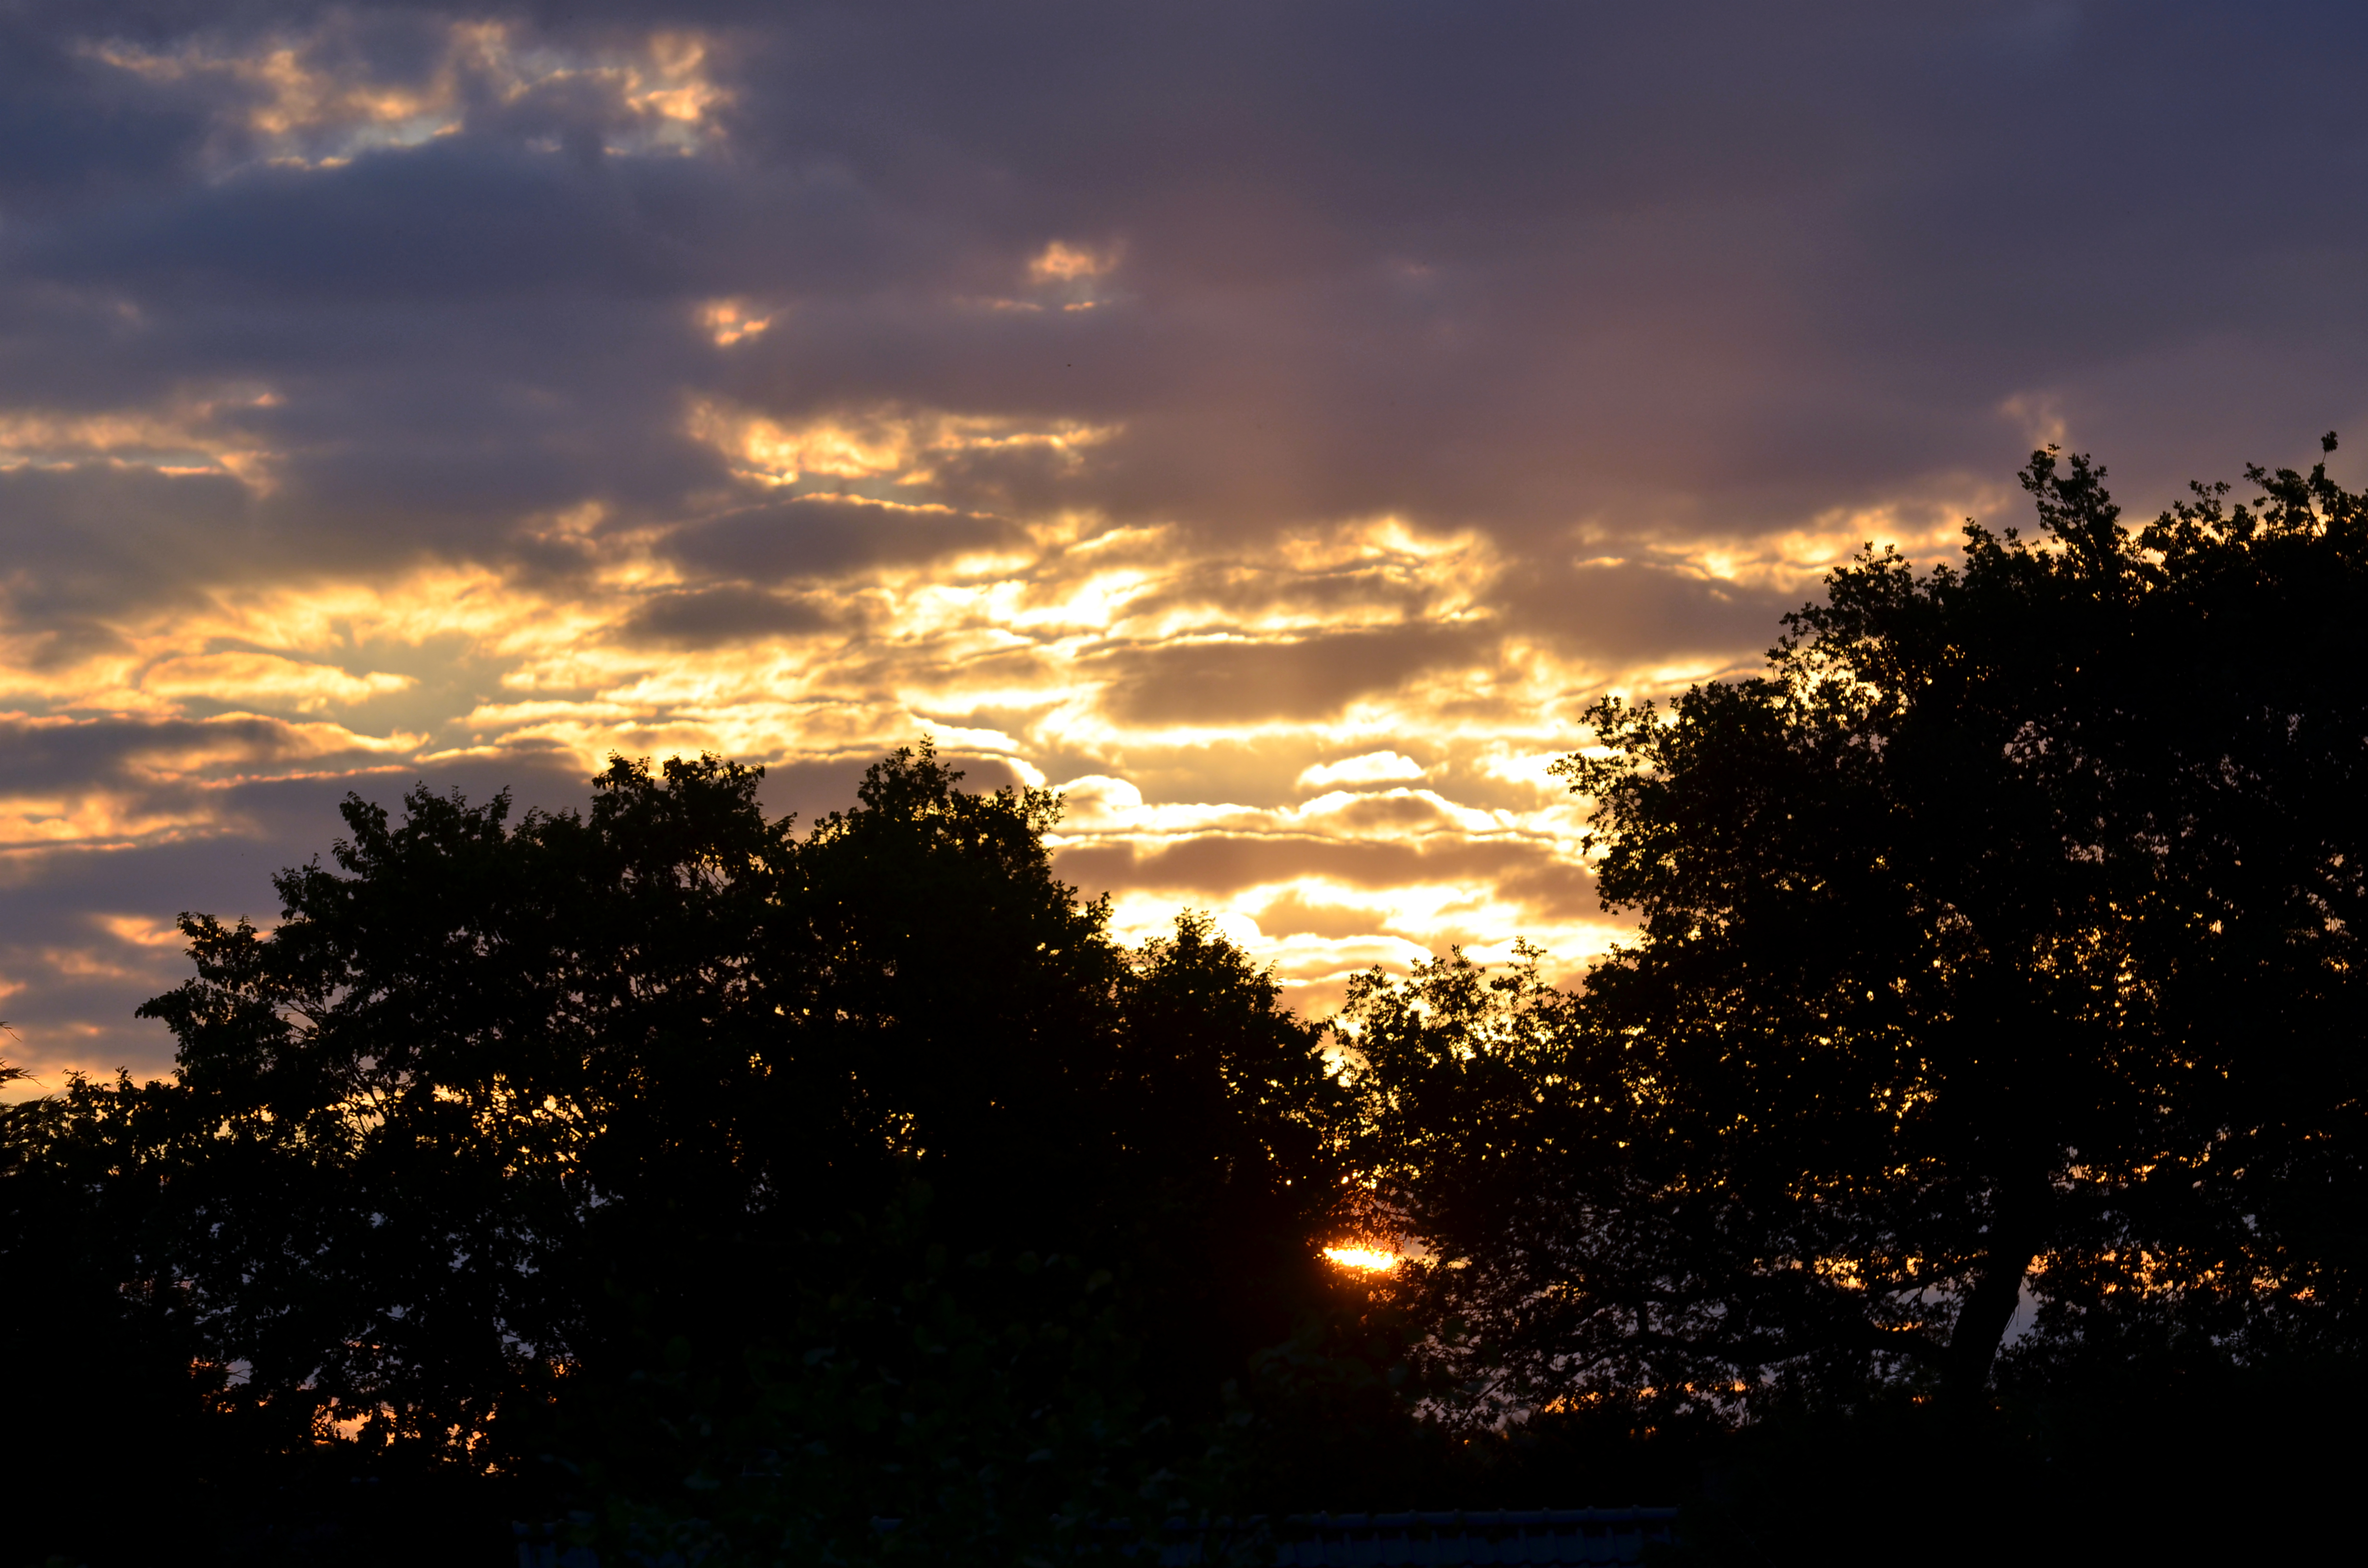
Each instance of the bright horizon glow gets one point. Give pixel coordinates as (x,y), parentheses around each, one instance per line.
(1370,1260)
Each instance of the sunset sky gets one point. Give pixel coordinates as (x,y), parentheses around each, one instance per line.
(1270,423)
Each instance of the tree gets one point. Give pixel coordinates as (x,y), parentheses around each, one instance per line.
(909,1402)
(503,1110)
(2000,943)
(94,1376)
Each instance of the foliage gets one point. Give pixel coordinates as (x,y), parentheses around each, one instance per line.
(499,1105)
(906,1404)
(2000,939)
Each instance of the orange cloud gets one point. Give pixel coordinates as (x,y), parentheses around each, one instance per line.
(1061,262)
(267,677)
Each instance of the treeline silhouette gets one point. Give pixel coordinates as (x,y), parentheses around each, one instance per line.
(1964,1157)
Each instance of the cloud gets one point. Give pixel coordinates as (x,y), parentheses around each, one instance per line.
(1372,768)
(714,617)
(1250,682)
(1277,421)
(244,676)
(1063,263)
(44,754)
(818,536)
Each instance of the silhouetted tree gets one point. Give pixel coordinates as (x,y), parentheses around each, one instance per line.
(2002,940)
(906,1402)
(96,1386)
(506,1118)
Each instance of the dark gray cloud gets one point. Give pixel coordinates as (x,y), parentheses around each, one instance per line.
(714,617)
(820,535)
(1628,612)
(86,540)
(1309,677)
(38,756)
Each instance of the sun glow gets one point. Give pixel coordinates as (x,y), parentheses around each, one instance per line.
(1370,1260)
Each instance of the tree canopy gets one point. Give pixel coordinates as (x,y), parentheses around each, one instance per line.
(1998,947)
(502,1109)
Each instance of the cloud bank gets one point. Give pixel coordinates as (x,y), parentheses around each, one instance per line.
(1271,423)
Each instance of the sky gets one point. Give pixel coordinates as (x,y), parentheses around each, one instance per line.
(1269,424)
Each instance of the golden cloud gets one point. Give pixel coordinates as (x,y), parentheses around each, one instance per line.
(267,677)
(888,443)
(185,435)
(1331,739)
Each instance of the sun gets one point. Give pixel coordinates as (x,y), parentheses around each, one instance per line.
(1371,1259)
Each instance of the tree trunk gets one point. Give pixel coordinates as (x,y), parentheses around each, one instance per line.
(2018,1233)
